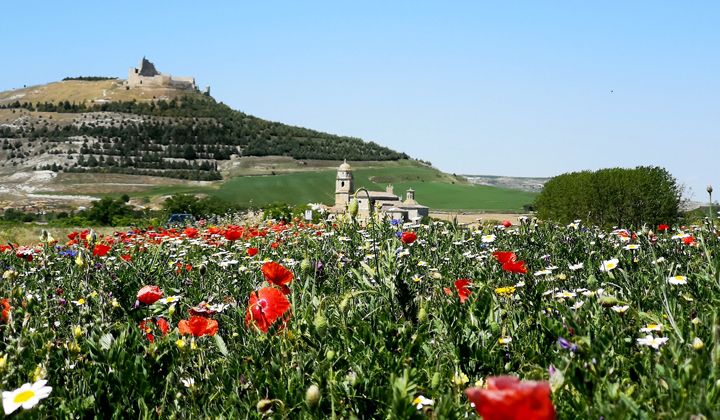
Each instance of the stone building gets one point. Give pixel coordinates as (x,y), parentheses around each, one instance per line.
(384,201)
(146,75)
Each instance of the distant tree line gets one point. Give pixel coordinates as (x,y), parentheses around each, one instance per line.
(89,78)
(612,197)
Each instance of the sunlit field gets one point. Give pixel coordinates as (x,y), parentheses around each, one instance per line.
(372,320)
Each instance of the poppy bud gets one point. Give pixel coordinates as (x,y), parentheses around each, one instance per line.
(330,354)
(305,265)
(202,269)
(608,301)
(435,380)
(320,322)
(422,314)
(353,207)
(312,396)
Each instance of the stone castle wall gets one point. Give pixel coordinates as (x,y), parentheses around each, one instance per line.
(135,79)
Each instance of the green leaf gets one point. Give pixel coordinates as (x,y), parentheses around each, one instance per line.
(106,341)
(221,344)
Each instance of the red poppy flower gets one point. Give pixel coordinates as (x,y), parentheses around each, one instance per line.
(146,326)
(198,326)
(507,223)
(265,307)
(278,275)
(461,285)
(163,325)
(689,240)
(100,250)
(663,228)
(190,232)
(515,267)
(508,398)
(149,294)
(233,235)
(213,230)
(504,256)
(72,235)
(126,257)
(408,237)
(252,251)
(5,303)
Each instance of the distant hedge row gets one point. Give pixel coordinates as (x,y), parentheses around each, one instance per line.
(612,197)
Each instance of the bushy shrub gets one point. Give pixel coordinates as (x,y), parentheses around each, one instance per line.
(616,196)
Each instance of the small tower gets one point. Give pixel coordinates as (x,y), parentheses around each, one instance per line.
(343,185)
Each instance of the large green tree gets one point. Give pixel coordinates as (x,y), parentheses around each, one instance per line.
(615,196)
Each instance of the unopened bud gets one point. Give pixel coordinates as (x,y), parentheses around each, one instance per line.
(353,207)
(312,396)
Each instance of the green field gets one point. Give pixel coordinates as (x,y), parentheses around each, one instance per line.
(433,188)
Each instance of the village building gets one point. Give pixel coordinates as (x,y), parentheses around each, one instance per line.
(385,202)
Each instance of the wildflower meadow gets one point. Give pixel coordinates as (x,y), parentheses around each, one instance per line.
(364,320)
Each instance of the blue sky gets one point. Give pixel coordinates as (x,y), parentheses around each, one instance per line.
(519,88)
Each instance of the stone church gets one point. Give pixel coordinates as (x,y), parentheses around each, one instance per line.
(384,201)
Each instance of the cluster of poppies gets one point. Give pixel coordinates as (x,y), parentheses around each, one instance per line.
(267,307)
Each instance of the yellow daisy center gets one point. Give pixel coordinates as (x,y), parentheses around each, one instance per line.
(24,396)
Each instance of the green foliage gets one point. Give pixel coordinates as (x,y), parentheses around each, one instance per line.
(283,212)
(607,197)
(198,207)
(89,78)
(106,210)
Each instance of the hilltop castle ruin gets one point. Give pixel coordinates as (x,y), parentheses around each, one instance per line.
(146,75)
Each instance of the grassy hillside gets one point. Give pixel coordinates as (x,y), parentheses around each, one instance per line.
(80,91)
(433,188)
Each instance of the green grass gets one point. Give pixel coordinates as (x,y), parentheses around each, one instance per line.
(433,188)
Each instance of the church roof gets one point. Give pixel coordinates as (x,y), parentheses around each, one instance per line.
(344,166)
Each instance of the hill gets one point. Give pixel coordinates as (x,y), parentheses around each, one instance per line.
(65,143)
(88,92)
(99,126)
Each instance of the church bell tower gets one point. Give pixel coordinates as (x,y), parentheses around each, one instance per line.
(343,185)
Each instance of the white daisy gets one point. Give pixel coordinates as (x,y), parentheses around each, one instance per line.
(170,299)
(651,327)
(677,280)
(651,341)
(609,265)
(27,396)
(620,309)
(421,402)
(488,239)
